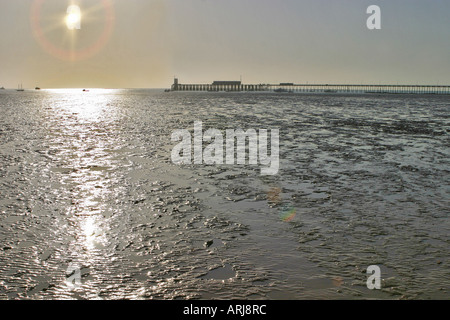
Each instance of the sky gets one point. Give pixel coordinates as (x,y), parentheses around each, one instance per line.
(146,43)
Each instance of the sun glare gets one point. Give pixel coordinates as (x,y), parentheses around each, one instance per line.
(73,18)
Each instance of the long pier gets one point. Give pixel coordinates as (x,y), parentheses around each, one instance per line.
(237,86)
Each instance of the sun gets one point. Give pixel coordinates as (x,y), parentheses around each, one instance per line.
(73,18)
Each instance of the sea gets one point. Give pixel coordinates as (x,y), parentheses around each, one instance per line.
(93,207)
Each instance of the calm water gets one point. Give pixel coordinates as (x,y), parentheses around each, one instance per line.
(86,180)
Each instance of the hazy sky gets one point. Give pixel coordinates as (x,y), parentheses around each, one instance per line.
(264,41)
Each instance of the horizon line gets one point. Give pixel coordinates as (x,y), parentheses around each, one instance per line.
(263,84)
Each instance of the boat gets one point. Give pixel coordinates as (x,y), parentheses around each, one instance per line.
(85,90)
(37,88)
(2,88)
(20,88)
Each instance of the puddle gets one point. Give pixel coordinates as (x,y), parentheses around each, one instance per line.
(222,273)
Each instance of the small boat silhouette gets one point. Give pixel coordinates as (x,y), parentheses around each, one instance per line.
(20,88)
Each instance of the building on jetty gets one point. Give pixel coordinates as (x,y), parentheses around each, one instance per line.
(218,86)
(236,86)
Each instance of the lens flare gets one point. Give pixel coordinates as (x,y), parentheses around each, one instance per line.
(288,215)
(73,19)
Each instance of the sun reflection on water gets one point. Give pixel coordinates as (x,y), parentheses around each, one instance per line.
(93,234)
(82,133)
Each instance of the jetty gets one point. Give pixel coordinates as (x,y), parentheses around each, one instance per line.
(238,86)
